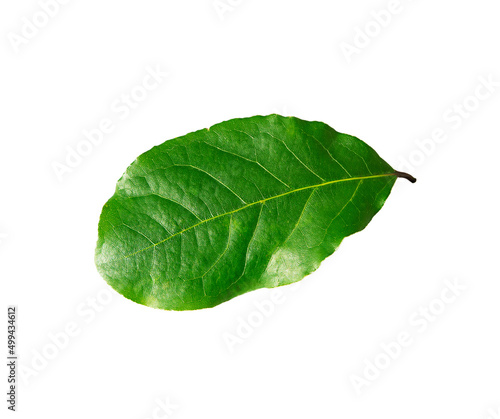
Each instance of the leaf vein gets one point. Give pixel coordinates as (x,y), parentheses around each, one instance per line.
(213,177)
(259,202)
(247,159)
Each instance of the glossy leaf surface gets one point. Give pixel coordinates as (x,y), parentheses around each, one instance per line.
(249,203)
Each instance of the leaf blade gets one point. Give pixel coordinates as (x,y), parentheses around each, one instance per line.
(248,203)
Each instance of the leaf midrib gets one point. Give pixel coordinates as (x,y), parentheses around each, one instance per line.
(261,201)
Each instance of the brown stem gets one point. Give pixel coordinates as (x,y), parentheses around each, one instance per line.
(406,176)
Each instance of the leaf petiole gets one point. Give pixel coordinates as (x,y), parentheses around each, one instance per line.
(405,176)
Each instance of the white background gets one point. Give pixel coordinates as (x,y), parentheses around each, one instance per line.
(256,57)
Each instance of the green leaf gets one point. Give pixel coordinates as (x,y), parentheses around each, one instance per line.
(249,203)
